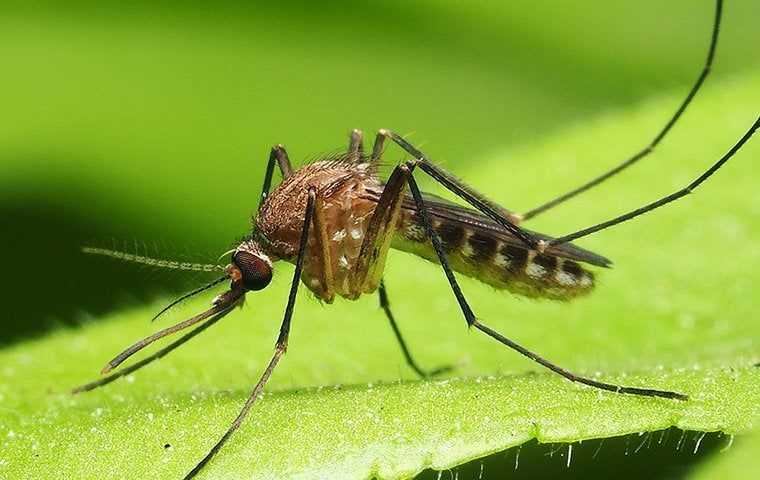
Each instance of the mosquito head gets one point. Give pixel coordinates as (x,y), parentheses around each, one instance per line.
(250,267)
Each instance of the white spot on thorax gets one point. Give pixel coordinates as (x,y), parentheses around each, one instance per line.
(356,233)
(339,235)
(343,261)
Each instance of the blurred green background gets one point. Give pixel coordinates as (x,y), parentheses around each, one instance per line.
(148,124)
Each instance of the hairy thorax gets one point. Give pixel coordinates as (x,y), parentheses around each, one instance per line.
(345,193)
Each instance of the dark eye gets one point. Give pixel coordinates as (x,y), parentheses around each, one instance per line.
(256,272)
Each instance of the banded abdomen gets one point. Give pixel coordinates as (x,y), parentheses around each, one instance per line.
(478,247)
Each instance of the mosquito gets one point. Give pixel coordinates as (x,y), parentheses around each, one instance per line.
(336,220)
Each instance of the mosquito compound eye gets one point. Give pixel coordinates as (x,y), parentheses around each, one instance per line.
(256,272)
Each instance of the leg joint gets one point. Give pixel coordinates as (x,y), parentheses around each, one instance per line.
(410,165)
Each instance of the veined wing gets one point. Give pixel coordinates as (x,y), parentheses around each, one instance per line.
(480,248)
(447,211)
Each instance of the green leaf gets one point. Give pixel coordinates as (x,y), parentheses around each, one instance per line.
(676,312)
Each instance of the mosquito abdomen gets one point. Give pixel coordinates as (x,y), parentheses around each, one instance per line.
(490,258)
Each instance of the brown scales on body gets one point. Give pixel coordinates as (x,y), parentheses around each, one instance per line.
(345,205)
(347,193)
(335,221)
(492,258)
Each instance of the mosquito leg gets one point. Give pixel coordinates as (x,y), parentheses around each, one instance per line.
(378,147)
(280,347)
(474,322)
(368,269)
(645,392)
(150,359)
(325,257)
(377,239)
(255,394)
(664,200)
(356,145)
(385,305)
(279,156)
(497,213)
(649,148)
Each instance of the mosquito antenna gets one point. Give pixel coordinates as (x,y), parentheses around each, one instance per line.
(152,261)
(188,295)
(225,301)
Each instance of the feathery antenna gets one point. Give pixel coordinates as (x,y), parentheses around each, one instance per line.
(151,261)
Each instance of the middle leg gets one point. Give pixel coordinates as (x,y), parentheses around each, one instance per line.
(356,145)
(280,346)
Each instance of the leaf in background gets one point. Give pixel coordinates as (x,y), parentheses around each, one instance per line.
(151,121)
(677,312)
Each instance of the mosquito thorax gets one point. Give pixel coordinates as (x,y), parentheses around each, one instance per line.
(250,267)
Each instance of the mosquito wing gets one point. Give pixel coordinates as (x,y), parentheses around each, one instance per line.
(447,212)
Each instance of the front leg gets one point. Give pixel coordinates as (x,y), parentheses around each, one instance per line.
(280,347)
(279,156)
